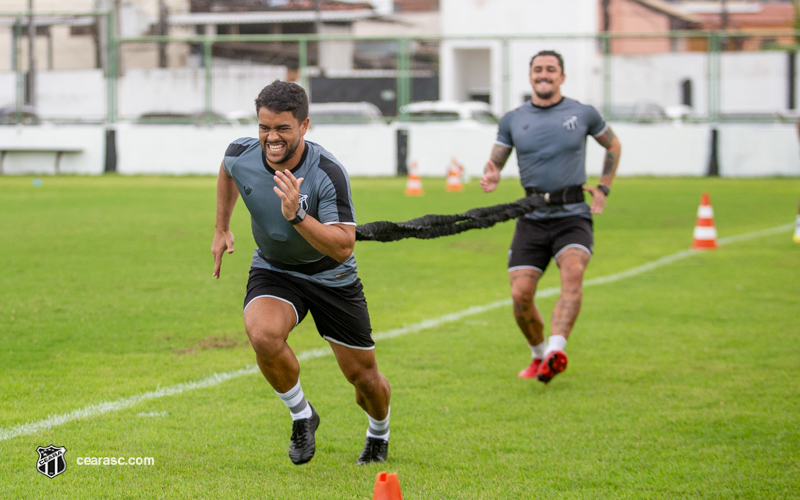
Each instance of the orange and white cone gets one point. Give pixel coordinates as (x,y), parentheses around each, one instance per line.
(414,183)
(705,234)
(796,236)
(454,172)
(387,487)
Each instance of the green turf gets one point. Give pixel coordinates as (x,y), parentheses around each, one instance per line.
(682,382)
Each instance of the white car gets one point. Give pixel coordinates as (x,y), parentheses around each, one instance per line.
(449,111)
(345,113)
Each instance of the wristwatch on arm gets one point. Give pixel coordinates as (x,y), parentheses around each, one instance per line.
(299,217)
(604,189)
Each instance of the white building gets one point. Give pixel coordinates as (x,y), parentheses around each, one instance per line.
(478,65)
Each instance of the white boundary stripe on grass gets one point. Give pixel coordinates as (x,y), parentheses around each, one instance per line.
(218,378)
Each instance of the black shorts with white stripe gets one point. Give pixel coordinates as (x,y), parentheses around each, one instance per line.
(340,313)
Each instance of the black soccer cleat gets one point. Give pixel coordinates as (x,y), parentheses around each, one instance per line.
(303,445)
(375,450)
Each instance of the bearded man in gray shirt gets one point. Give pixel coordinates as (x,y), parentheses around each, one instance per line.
(304,225)
(549,134)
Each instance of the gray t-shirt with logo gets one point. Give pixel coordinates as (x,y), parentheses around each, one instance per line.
(324,194)
(551,148)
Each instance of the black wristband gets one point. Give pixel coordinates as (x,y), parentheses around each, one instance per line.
(604,189)
(299,217)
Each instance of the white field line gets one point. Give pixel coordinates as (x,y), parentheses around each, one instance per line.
(218,378)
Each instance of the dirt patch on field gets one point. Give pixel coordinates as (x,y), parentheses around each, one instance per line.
(212,343)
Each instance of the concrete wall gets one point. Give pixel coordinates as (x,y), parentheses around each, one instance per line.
(751,82)
(658,150)
(747,150)
(90,138)
(234,88)
(179,149)
(754,82)
(363,150)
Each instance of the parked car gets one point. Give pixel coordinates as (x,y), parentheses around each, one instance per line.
(449,111)
(345,113)
(638,112)
(242,117)
(180,118)
(26,116)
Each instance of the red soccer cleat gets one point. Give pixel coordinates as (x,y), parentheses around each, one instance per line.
(531,370)
(553,364)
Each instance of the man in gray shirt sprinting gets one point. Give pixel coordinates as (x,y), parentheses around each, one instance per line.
(549,134)
(304,224)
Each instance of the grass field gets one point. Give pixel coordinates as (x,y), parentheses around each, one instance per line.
(682,383)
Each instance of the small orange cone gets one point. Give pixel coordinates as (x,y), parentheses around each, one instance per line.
(414,183)
(705,234)
(796,236)
(454,172)
(387,487)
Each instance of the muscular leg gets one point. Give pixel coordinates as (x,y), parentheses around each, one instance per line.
(372,395)
(268,322)
(361,370)
(572,263)
(529,319)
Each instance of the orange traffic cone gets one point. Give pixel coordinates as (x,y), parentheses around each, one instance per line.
(454,172)
(705,234)
(387,487)
(414,183)
(796,236)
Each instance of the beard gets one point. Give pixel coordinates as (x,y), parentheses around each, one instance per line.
(544,95)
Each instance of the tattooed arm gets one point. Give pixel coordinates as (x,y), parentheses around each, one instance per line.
(613,151)
(491,172)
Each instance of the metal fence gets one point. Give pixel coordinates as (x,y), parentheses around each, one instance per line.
(72,67)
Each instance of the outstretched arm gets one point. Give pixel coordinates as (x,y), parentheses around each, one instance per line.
(491,172)
(227,194)
(613,151)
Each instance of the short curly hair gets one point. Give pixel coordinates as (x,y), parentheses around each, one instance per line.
(280,96)
(550,53)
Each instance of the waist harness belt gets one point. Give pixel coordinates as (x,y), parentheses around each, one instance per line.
(563,196)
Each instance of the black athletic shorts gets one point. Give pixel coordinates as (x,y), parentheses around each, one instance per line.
(340,312)
(537,241)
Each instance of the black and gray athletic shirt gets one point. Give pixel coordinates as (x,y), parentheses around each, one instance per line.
(324,194)
(551,148)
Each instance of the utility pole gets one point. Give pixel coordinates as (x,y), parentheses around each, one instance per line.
(318,30)
(724,15)
(724,23)
(117,33)
(318,17)
(30,87)
(162,30)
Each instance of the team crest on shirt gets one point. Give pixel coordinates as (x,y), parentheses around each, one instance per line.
(570,122)
(304,202)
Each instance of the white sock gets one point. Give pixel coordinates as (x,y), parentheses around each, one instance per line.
(295,400)
(556,343)
(538,350)
(379,428)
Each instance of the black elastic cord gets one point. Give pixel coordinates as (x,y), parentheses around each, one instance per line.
(435,226)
